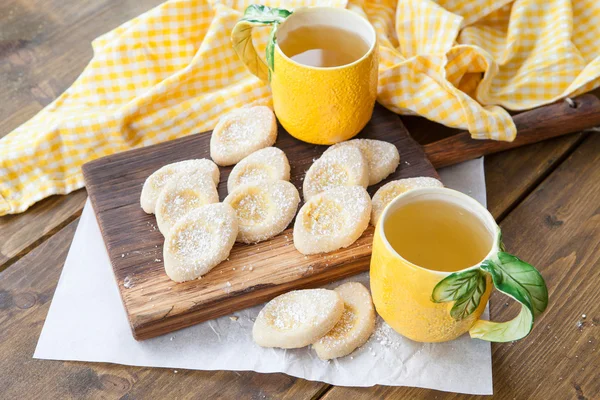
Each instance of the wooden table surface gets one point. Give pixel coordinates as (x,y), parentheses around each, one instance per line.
(546,198)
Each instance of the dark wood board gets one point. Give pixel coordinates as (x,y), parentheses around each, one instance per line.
(253,274)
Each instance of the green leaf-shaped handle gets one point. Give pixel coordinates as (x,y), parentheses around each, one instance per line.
(511,276)
(519,280)
(241,37)
(522,282)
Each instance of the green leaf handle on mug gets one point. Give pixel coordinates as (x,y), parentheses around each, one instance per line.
(511,276)
(241,37)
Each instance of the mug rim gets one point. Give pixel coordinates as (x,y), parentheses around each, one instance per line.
(302,10)
(473,204)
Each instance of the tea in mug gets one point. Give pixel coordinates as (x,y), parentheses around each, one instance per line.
(438,235)
(323,46)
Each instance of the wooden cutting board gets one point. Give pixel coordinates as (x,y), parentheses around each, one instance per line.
(155,305)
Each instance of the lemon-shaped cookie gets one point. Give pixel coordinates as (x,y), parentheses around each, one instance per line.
(182,194)
(354,327)
(263,209)
(242,132)
(268,164)
(344,166)
(298,318)
(393,189)
(159,178)
(332,220)
(199,241)
(382,157)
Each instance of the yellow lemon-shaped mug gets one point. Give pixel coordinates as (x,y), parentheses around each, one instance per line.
(316,104)
(419,281)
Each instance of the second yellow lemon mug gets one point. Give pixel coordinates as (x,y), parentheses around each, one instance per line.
(320,105)
(428,305)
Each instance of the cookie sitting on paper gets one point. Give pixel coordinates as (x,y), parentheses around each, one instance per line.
(354,327)
(297,318)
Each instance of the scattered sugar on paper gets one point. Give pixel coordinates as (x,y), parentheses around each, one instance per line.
(386,336)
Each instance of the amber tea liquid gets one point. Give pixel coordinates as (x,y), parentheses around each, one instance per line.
(438,235)
(323,46)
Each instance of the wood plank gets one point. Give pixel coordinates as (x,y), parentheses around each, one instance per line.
(26,290)
(556,228)
(20,233)
(533,126)
(512,175)
(44,46)
(253,274)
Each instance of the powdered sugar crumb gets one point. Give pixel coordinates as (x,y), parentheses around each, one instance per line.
(128,282)
(386,336)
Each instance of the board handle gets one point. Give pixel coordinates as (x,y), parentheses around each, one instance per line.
(557,119)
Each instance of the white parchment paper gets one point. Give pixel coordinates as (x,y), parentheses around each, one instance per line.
(87,322)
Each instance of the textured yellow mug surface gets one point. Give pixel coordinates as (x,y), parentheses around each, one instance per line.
(417,302)
(321,105)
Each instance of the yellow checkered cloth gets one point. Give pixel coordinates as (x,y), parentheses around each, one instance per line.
(172,71)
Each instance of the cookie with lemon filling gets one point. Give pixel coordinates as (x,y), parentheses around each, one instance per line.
(354,327)
(242,132)
(181,195)
(159,178)
(344,166)
(297,318)
(263,209)
(268,164)
(199,241)
(331,220)
(382,157)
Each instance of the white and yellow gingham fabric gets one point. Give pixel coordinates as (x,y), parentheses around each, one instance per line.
(172,71)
